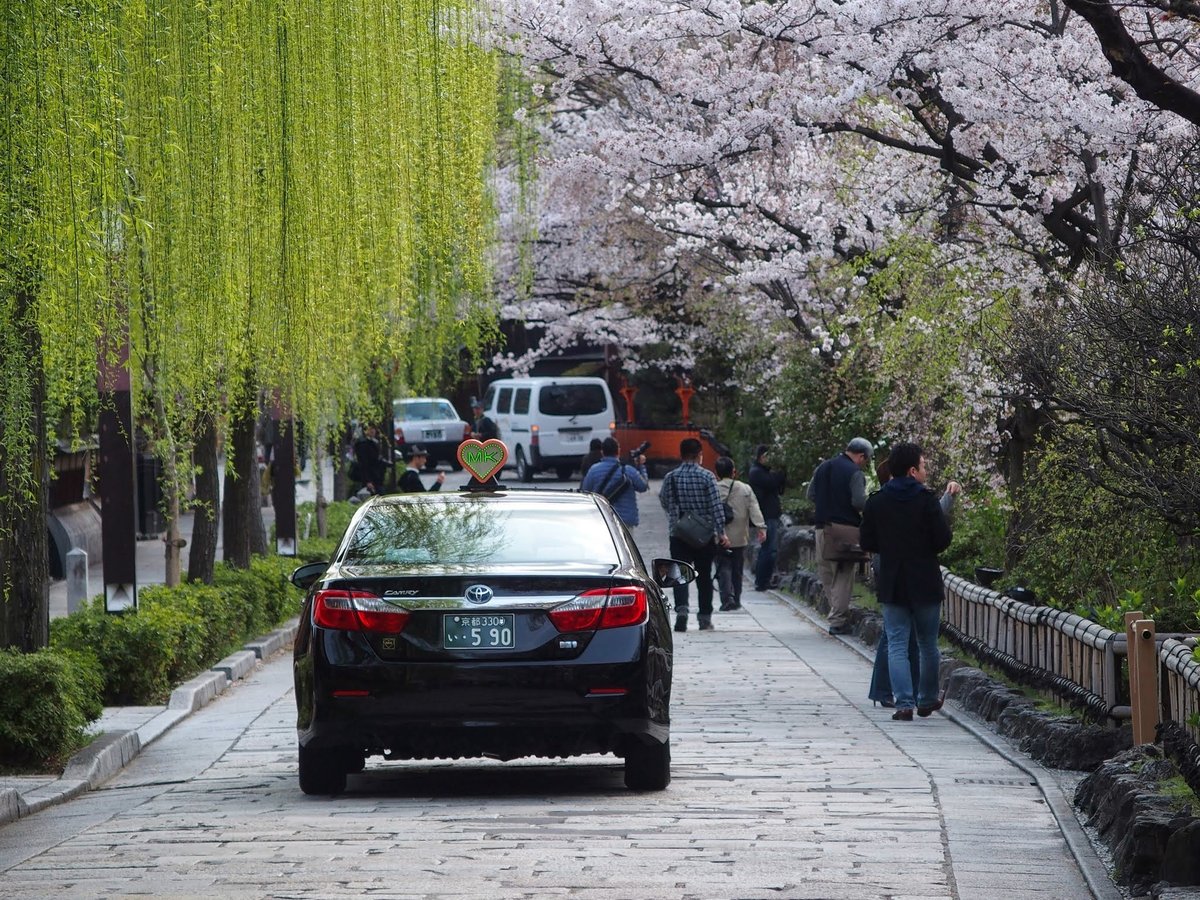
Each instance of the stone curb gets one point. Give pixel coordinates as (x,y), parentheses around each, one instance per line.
(110,753)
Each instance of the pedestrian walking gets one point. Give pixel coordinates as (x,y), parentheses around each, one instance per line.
(369,467)
(903,522)
(880,690)
(410,481)
(768,486)
(595,451)
(838,490)
(696,521)
(484,428)
(743,505)
(618,482)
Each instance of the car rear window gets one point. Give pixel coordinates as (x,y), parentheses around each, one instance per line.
(479,532)
(572,400)
(425,410)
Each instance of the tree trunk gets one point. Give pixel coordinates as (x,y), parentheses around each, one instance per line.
(24,489)
(242,514)
(1022,428)
(207,505)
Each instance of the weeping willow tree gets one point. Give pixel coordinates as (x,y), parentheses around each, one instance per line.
(262,194)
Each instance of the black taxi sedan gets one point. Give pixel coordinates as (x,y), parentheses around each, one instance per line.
(486,623)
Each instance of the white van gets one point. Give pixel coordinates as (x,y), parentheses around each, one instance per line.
(548,423)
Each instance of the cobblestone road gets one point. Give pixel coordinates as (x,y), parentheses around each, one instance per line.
(786,783)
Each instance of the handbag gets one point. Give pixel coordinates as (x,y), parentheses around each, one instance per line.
(691,528)
(841,543)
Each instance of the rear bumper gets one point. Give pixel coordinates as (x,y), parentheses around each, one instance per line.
(437,450)
(427,710)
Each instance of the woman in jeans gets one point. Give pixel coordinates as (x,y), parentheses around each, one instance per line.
(904,523)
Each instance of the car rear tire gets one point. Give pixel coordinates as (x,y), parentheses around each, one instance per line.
(322,771)
(564,473)
(524,471)
(647,765)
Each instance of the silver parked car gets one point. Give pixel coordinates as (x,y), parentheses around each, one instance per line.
(433,423)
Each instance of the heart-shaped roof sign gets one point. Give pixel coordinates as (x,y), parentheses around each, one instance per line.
(483,459)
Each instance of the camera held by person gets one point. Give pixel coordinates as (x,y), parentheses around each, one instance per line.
(637,454)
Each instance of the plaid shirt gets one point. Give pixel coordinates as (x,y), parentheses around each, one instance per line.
(688,487)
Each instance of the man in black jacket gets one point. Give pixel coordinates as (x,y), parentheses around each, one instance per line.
(903,522)
(838,491)
(767,486)
(410,481)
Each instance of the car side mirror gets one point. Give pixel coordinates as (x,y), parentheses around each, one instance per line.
(673,573)
(304,576)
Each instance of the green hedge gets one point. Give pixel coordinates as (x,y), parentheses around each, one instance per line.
(178,632)
(48,700)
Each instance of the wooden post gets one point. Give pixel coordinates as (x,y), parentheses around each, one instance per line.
(118,479)
(1143,676)
(283,484)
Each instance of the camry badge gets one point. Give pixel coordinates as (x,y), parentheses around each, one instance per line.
(479,593)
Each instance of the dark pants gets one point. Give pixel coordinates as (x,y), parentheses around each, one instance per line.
(729,576)
(702,559)
(767,554)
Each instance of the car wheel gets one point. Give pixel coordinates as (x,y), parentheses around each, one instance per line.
(647,765)
(524,471)
(455,464)
(564,473)
(322,771)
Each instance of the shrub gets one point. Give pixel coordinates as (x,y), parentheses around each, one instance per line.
(49,698)
(1089,550)
(177,632)
(980,525)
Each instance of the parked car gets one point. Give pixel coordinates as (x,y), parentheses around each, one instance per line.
(433,423)
(487,623)
(548,422)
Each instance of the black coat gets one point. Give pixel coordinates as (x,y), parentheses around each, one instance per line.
(410,483)
(905,525)
(767,486)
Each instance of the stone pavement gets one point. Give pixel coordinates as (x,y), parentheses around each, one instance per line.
(787,782)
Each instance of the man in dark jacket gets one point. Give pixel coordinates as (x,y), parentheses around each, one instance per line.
(903,522)
(767,486)
(838,491)
(410,481)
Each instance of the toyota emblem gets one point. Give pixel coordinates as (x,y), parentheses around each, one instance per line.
(479,593)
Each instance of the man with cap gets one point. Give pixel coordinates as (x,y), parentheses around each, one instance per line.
(484,428)
(410,481)
(838,490)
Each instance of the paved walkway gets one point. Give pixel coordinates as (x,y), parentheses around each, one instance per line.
(788,782)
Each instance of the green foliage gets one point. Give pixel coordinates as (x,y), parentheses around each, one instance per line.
(177,632)
(980,524)
(1090,551)
(49,698)
(337,519)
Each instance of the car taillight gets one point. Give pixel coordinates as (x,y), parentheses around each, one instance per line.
(612,428)
(601,608)
(466,431)
(399,435)
(533,435)
(357,611)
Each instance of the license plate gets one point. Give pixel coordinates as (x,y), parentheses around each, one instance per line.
(432,434)
(477,632)
(571,438)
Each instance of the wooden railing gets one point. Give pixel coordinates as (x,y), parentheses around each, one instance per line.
(1079,661)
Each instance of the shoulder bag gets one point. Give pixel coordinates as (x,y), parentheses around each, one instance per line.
(841,543)
(690,528)
(728,510)
(616,490)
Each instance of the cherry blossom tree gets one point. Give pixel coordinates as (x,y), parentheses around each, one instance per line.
(758,165)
